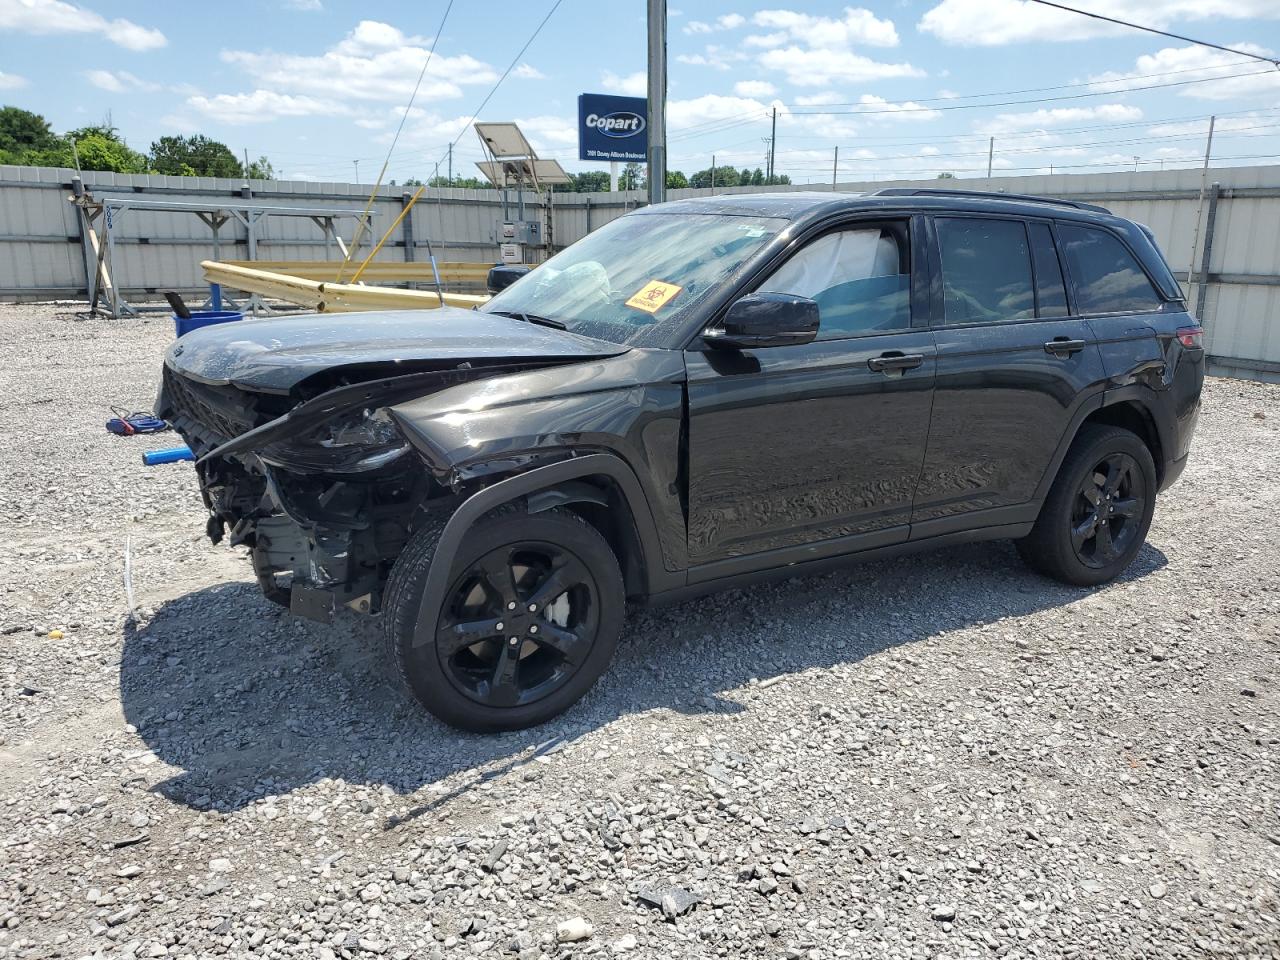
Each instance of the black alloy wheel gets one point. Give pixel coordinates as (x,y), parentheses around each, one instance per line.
(1096,516)
(1109,511)
(519,622)
(530,619)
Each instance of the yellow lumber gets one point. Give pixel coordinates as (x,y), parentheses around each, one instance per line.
(326,297)
(377,271)
(394,223)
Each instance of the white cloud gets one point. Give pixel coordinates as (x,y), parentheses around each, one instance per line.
(120,81)
(820,99)
(730,21)
(1250,124)
(11,81)
(817,67)
(262,106)
(1200,62)
(713,55)
(632,85)
(754,88)
(306,6)
(998,22)
(43,17)
(527,71)
(712,106)
(856,26)
(1059,116)
(376,61)
(882,109)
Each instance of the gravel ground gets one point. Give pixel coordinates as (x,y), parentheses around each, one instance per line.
(938,756)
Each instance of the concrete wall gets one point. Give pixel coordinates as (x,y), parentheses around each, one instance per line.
(40,254)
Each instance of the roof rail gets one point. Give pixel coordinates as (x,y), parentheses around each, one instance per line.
(984,195)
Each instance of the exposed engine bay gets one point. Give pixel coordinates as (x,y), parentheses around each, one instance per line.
(317,482)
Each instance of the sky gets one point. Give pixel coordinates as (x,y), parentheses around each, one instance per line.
(900,88)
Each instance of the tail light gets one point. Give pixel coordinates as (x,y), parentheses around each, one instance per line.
(1192,337)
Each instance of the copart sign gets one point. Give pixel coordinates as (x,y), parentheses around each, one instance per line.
(612,128)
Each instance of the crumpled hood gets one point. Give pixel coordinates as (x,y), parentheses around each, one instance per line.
(277,353)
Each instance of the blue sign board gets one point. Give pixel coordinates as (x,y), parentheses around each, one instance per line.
(612,128)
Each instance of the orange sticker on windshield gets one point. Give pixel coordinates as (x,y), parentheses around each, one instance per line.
(653,296)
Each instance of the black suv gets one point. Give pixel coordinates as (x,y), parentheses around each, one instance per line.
(696,394)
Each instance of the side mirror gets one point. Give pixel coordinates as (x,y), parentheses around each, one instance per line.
(504,275)
(766,320)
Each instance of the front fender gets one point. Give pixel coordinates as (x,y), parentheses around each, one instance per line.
(522,485)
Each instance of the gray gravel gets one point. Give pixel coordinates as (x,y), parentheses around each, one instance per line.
(939,756)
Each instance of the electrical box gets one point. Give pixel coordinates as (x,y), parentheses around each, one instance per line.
(520,231)
(511,252)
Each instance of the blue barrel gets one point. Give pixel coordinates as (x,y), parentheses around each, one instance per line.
(204,318)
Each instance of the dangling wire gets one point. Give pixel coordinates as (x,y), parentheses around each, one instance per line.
(364,217)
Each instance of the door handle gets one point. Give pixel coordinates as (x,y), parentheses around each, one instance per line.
(895,360)
(1064,345)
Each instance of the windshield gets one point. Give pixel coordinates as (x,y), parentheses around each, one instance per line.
(631,280)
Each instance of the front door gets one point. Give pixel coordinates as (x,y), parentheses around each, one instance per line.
(797,452)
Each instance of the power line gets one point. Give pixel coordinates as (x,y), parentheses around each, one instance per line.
(511,66)
(720,125)
(1163,33)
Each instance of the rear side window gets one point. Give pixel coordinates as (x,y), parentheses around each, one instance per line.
(1051,293)
(986,270)
(1106,276)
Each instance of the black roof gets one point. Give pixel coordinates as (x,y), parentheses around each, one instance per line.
(805,204)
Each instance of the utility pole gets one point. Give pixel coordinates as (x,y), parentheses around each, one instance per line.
(357,163)
(991,152)
(713,173)
(773,145)
(835,164)
(1135,164)
(1204,184)
(451,164)
(246,163)
(657,101)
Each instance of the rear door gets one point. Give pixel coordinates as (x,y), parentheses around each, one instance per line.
(1013,368)
(796,452)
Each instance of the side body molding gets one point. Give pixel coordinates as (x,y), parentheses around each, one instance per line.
(524,484)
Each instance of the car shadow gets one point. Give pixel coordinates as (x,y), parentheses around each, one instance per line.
(246,701)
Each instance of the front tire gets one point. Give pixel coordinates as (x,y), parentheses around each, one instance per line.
(529,621)
(1099,509)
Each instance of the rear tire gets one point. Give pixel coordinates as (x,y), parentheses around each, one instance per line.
(488,661)
(1099,509)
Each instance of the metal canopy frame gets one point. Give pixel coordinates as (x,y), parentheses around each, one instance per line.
(99,245)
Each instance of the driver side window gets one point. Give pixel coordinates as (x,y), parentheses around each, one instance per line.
(860,279)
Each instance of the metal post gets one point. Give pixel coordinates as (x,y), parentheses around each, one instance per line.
(657,120)
(451,164)
(991,153)
(713,173)
(613,176)
(773,145)
(406,228)
(1202,286)
(1204,182)
(835,164)
(84,225)
(357,163)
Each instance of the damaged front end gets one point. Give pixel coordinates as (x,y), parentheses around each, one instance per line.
(324,491)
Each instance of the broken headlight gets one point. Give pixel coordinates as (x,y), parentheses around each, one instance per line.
(355,442)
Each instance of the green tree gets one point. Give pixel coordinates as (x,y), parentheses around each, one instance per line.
(757,177)
(261,169)
(22,130)
(98,152)
(195,156)
(724,177)
(676,180)
(946,176)
(468,183)
(632,177)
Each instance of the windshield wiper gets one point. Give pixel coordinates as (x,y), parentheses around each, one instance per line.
(530,318)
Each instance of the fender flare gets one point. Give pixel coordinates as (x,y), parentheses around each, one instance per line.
(534,481)
(1131,393)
